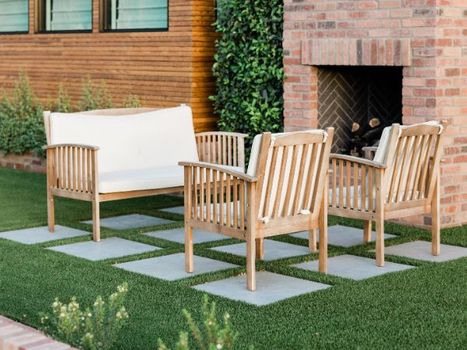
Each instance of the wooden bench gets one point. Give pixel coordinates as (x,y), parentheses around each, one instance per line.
(108,155)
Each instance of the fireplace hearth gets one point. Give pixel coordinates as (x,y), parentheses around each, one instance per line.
(349,62)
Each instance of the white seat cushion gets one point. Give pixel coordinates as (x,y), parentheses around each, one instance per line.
(138,180)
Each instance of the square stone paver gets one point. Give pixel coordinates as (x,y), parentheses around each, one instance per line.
(178,235)
(175,210)
(354,267)
(421,250)
(273,250)
(344,236)
(126,222)
(172,267)
(270,288)
(108,248)
(41,234)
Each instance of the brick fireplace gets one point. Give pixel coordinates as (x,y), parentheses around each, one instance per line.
(424,41)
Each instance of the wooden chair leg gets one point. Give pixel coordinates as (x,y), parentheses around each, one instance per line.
(250,264)
(50,212)
(260,248)
(96,221)
(379,220)
(367,231)
(323,243)
(435,222)
(313,240)
(380,242)
(189,249)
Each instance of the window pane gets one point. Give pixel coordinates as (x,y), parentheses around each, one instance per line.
(138,14)
(68,15)
(14,16)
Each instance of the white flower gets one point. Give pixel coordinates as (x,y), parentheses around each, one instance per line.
(219,346)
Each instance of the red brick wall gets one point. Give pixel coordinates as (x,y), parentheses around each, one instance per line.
(26,162)
(434,74)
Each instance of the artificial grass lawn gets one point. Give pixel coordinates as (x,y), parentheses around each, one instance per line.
(423,308)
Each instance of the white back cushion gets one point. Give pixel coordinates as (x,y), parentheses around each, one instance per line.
(148,139)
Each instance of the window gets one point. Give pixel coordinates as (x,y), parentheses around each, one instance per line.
(66,15)
(134,15)
(14,16)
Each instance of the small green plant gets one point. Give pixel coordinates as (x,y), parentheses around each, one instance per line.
(94,96)
(131,101)
(210,336)
(94,328)
(21,126)
(63,101)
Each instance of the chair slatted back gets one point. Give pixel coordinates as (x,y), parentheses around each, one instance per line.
(413,162)
(292,169)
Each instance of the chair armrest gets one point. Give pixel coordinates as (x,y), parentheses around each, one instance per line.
(72,168)
(92,148)
(369,152)
(220,147)
(357,160)
(221,169)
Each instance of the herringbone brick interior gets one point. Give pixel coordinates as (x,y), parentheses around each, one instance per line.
(357,94)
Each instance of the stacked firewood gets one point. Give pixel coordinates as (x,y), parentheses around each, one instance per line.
(365,134)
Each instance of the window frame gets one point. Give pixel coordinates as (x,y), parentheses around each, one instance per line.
(105,15)
(41,17)
(21,31)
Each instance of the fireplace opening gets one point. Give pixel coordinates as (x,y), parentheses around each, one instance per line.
(359,102)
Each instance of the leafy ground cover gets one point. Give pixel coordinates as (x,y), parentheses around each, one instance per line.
(422,308)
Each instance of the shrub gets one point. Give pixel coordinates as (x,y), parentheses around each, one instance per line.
(211,336)
(94,96)
(248,66)
(131,101)
(95,328)
(63,101)
(21,125)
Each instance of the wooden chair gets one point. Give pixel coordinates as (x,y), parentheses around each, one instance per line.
(282,192)
(402,180)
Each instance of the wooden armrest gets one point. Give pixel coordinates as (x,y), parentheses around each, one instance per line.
(221,169)
(92,148)
(357,160)
(369,149)
(72,168)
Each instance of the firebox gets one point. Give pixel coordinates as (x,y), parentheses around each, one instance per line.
(359,102)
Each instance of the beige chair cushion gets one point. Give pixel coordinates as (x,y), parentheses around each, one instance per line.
(146,140)
(142,179)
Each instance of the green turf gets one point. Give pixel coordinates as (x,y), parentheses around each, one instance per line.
(423,308)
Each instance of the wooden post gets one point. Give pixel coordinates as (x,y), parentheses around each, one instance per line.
(380,194)
(323,229)
(96,221)
(435,220)
(366,230)
(260,248)
(188,229)
(313,240)
(251,238)
(50,196)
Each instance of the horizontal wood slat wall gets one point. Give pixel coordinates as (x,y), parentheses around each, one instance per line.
(163,68)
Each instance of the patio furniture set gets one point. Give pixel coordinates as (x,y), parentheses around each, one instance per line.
(291,184)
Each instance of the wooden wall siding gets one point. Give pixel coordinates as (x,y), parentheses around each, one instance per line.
(163,68)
